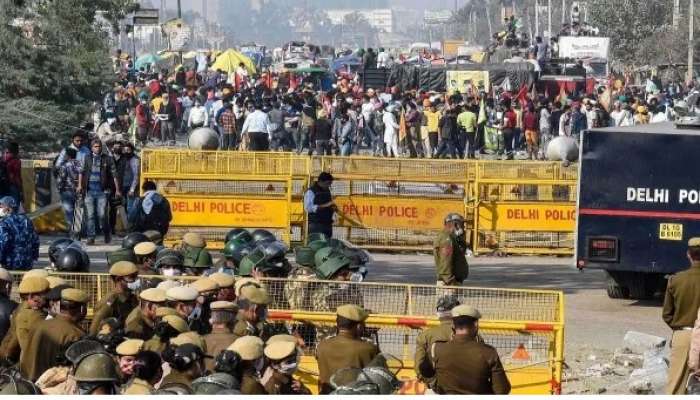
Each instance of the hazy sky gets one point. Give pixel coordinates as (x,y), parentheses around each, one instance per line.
(416,4)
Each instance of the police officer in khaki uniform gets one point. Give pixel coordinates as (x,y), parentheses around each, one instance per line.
(450,249)
(347,349)
(680,311)
(170,325)
(183,299)
(122,300)
(226,282)
(126,355)
(440,333)
(207,289)
(223,313)
(253,312)
(186,365)
(141,322)
(32,292)
(465,365)
(250,349)
(50,337)
(145,253)
(197,258)
(147,372)
(7,306)
(278,378)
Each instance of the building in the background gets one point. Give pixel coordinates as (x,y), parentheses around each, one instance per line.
(381,19)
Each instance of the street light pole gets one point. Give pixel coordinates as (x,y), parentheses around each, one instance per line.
(691,39)
(179,8)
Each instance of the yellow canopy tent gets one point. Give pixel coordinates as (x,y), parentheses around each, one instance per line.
(228,62)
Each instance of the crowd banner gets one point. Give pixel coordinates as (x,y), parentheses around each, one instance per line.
(525,326)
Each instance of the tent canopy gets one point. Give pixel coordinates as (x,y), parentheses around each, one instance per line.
(147,59)
(228,62)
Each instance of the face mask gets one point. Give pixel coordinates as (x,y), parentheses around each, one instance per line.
(165,102)
(170,272)
(143,102)
(459,232)
(3,213)
(288,367)
(135,285)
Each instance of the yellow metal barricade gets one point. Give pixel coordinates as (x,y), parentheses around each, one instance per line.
(525,326)
(525,207)
(396,203)
(213,192)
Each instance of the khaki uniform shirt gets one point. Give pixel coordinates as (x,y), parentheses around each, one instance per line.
(154,344)
(250,383)
(23,322)
(48,340)
(465,366)
(217,341)
(682,299)
(138,326)
(342,351)
(116,305)
(425,341)
(138,386)
(176,378)
(276,383)
(450,259)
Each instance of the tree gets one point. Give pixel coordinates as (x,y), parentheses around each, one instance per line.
(631,25)
(55,63)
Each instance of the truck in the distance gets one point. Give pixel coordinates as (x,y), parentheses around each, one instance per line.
(638,205)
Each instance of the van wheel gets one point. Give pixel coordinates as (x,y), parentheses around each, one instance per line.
(615,290)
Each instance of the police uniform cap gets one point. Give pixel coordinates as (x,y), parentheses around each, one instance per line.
(352,312)
(222,279)
(465,310)
(189,338)
(223,306)
(168,284)
(280,350)
(129,347)
(282,338)
(5,275)
(194,240)
(182,293)
(162,312)
(245,282)
(123,268)
(255,295)
(248,347)
(205,285)
(74,295)
(55,293)
(176,322)
(53,281)
(694,242)
(154,295)
(145,248)
(42,273)
(33,284)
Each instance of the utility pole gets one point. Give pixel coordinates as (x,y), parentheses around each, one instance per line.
(563,12)
(179,8)
(549,17)
(537,17)
(676,13)
(691,40)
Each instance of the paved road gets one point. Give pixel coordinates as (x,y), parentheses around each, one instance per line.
(591,317)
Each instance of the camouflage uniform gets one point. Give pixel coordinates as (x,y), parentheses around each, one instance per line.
(19,243)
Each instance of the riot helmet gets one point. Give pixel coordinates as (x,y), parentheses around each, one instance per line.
(215,383)
(56,247)
(133,239)
(263,235)
(239,234)
(73,259)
